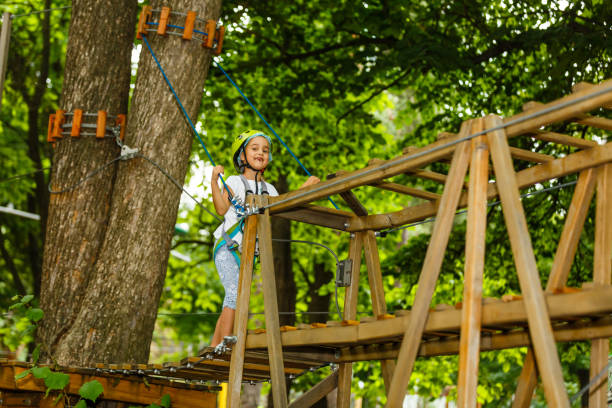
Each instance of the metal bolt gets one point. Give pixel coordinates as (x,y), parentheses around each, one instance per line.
(346,225)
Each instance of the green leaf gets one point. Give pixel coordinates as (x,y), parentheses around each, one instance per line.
(15,306)
(58,398)
(57,381)
(35,314)
(15,297)
(36,354)
(23,374)
(91,390)
(26,299)
(81,404)
(41,372)
(165,401)
(153,406)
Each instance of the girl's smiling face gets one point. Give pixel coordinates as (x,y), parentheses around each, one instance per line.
(257,153)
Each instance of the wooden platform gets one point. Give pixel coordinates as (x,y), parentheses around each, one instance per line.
(131,385)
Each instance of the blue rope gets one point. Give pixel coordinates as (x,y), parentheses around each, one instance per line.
(267,124)
(144,37)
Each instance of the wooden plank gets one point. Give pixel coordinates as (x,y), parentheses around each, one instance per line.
(563,139)
(602,270)
(562,109)
(377,294)
(313,395)
(570,164)
(399,188)
(474,266)
(566,250)
(316,215)
(586,85)
(529,280)
(499,341)
(115,388)
(351,295)
(430,272)
(530,156)
(275,349)
(350,198)
(585,303)
(234,383)
(5,41)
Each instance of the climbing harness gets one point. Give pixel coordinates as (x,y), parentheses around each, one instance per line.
(227,236)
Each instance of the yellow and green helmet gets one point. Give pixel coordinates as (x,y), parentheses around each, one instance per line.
(241,141)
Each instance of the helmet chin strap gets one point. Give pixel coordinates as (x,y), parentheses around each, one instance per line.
(248,165)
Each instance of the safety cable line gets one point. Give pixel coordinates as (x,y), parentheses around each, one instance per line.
(24,175)
(491,204)
(40,11)
(267,124)
(590,384)
(434,149)
(84,179)
(334,255)
(144,37)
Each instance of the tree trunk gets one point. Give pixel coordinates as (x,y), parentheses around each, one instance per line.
(113,309)
(97,77)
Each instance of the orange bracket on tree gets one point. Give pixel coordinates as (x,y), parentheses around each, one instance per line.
(75,124)
(211,35)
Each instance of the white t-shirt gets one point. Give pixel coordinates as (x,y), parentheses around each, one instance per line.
(231,218)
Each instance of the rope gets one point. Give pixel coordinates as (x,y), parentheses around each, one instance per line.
(434,149)
(267,124)
(40,11)
(144,37)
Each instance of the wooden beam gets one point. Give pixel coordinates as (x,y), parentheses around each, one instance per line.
(430,272)
(580,86)
(602,270)
(133,391)
(5,41)
(566,250)
(585,303)
(275,349)
(583,119)
(537,314)
(572,163)
(496,341)
(241,319)
(561,110)
(321,216)
(345,371)
(377,293)
(474,265)
(313,395)
(350,198)
(399,188)
(563,139)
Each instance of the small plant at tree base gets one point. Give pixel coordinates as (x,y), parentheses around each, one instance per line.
(54,380)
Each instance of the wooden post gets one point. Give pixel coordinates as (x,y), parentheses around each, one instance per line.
(429,274)
(275,348)
(566,250)
(316,393)
(377,292)
(471,313)
(234,383)
(5,40)
(345,370)
(537,313)
(602,268)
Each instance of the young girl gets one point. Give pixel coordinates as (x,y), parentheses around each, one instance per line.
(251,155)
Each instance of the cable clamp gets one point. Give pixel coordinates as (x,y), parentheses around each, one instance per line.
(127,152)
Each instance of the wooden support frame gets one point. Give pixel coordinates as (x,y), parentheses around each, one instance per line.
(317,392)
(474,266)
(566,250)
(602,270)
(242,311)
(377,292)
(345,370)
(430,272)
(537,314)
(275,349)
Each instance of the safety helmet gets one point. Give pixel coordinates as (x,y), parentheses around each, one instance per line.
(239,144)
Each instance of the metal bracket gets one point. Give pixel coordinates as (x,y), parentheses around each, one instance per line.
(344,273)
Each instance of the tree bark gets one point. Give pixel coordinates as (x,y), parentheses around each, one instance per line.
(97,77)
(113,304)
